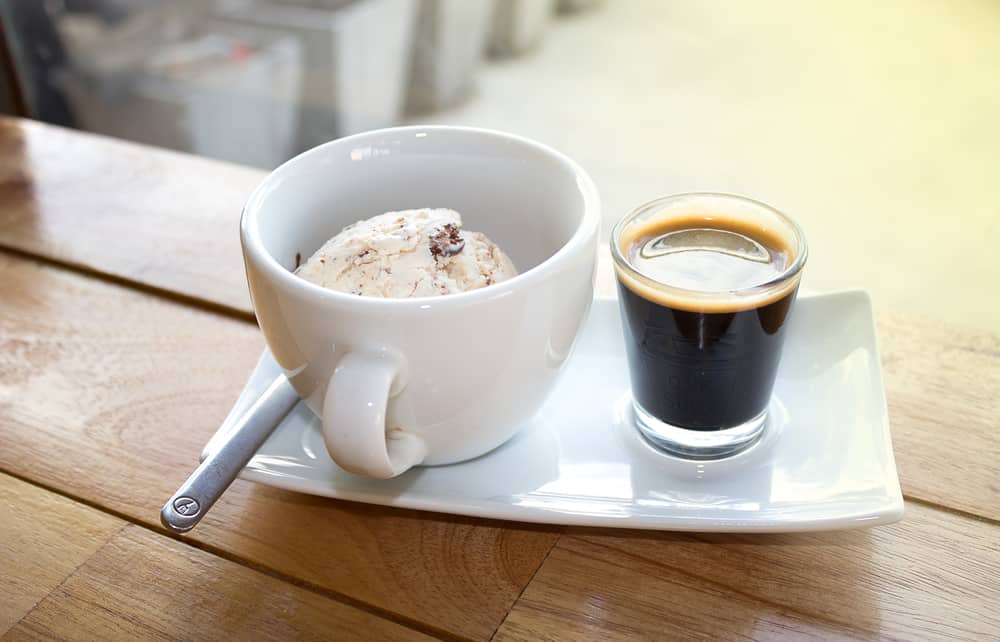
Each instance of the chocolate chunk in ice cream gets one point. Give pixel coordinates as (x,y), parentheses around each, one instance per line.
(447,241)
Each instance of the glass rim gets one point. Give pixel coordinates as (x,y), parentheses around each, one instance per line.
(790,272)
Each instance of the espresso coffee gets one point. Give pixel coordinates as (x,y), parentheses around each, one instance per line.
(704,350)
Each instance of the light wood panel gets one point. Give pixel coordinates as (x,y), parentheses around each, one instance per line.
(141,585)
(586,592)
(43,538)
(943,388)
(157,217)
(931,576)
(108,395)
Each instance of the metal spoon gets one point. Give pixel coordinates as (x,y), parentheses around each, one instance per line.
(184,510)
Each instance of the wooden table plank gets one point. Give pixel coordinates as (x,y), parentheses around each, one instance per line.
(108,394)
(141,585)
(931,576)
(70,571)
(943,389)
(169,221)
(44,537)
(583,592)
(164,219)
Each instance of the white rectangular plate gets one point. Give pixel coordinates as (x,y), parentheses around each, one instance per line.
(825,461)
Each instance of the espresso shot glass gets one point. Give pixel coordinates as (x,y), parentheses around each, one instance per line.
(706,284)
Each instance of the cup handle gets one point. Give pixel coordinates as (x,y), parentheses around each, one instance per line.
(354,416)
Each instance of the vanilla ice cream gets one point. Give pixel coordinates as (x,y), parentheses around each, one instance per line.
(411,253)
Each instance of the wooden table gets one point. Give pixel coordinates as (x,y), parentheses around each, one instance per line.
(126,334)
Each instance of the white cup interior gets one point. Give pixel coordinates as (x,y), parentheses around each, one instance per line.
(527,198)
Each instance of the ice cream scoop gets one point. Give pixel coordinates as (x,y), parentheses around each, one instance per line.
(410,253)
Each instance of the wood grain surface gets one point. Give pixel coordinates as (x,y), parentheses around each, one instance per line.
(931,576)
(109,395)
(943,388)
(143,586)
(589,592)
(116,367)
(43,538)
(161,218)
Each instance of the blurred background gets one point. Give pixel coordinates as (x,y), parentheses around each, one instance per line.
(876,125)
(257,81)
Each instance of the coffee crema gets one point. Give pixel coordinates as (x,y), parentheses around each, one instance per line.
(700,258)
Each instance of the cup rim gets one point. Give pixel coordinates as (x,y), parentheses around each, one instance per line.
(255,252)
(760,289)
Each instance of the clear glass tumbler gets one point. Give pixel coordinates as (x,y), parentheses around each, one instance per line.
(703,352)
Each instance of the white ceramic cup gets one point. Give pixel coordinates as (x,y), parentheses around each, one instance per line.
(428,380)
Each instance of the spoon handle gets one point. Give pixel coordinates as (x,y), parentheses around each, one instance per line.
(195,497)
